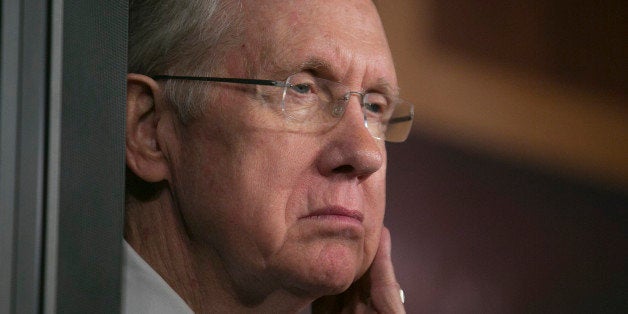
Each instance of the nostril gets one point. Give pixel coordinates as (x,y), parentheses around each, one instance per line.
(344,169)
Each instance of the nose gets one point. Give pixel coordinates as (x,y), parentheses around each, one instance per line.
(351,150)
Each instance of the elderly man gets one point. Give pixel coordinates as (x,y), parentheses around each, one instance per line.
(256,158)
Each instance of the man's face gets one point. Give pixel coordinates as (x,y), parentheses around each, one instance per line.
(284,210)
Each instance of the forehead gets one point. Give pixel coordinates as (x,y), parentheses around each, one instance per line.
(343,40)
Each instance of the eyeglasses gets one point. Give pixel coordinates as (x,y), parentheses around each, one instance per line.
(312,104)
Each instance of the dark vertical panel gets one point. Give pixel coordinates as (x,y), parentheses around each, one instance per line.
(31,151)
(9,53)
(23,111)
(91,165)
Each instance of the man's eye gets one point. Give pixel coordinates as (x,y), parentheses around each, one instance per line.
(301,88)
(374,107)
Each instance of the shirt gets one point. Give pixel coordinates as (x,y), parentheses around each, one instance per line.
(144,291)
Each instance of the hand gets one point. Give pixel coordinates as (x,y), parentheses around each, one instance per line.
(376,292)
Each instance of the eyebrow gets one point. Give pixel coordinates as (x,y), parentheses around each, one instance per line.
(313,64)
(316,64)
(320,66)
(383,84)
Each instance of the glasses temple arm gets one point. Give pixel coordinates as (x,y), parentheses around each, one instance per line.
(400,119)
(220,79)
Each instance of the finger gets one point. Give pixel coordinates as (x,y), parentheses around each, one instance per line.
(385,295)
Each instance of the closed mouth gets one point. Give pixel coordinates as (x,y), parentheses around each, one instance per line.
(336,211)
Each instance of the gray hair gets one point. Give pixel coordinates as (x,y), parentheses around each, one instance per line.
(181,37)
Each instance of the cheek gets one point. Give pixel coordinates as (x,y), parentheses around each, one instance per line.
(245,199)
(377,200)
(275,174)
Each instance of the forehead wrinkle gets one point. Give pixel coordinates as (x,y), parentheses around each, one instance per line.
(273,53)
(328,58)
(287,50)
(280,46)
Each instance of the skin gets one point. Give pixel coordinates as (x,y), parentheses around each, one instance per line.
(231,226)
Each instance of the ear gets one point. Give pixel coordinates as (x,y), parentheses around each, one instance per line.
(143,154)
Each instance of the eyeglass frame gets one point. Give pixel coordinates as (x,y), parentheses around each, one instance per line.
(283,84)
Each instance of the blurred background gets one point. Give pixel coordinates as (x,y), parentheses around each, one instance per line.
(511,194)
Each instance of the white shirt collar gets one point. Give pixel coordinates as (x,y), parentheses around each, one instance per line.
(144,291)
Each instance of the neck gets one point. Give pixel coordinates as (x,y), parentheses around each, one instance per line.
(156,230)
(156,233)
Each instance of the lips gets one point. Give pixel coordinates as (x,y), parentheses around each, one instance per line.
(336,212)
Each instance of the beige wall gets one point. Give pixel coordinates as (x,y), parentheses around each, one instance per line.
(509,111)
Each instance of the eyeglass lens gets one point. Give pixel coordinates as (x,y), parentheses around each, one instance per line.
(314,104)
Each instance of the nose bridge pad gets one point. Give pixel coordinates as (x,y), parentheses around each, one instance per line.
(340,107)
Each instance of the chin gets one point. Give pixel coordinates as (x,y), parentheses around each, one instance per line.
(332,272)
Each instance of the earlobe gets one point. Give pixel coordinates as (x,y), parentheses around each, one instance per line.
(144,155)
